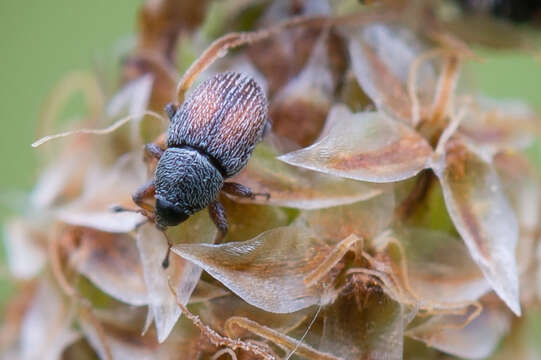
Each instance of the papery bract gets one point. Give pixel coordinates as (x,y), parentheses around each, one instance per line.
(45,329)
(93,208)
(498,126)
(381,58)
(182,274)
(268,271)
(483,217)
(299,109)
(474,340)
(120,341)
(261,218)
(521,185)
(366,219)
(440,270)
(366,146)
(111,262)
(217,311)
(370,326)
(297,188)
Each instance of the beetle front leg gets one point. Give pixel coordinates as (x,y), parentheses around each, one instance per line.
(217,214)
(145,192)
(240,190)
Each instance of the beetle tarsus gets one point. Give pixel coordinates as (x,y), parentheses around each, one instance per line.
(165,262)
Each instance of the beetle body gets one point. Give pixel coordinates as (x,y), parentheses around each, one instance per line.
(211,138)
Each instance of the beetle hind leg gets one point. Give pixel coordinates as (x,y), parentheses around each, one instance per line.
(240,190)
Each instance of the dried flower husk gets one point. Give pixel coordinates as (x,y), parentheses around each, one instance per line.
(365,219)
(93,208)
(483,217)
(521,185)
(118,332)
(382,57)
(267,271)
(376,331)
(298,188)
(46,326)
(182,274)
(218,311)
(282,57)
(366,146)
(459,334)
(440,272)
(111,261)
(299,109)
(498,126)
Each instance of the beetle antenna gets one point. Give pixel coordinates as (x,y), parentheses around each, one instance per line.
(120,208)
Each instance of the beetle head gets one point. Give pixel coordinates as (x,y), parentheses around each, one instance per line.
(169,214)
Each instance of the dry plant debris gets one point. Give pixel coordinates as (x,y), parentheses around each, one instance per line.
(403,214)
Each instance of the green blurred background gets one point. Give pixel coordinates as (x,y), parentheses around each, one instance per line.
(43,40)
(40,42)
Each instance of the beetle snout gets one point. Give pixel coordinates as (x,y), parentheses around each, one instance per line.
(169,214)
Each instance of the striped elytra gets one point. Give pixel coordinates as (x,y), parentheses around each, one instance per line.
(223,118)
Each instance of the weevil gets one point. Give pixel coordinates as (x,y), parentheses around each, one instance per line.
(210,138)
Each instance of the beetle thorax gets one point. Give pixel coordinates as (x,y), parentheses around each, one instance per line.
(186,179)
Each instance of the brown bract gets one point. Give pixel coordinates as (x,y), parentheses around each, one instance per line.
(366,146)
(297,188)
(483,217)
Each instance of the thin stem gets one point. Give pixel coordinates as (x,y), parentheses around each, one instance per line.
(283,341)
(111,128)
(215,338)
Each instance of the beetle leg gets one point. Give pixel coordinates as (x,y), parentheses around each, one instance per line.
(165,262)
(153,151)
(240,190)
(170,110)
(217,214)
(144,192)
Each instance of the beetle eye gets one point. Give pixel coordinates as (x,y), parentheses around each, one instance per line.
(169,214)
